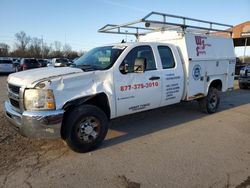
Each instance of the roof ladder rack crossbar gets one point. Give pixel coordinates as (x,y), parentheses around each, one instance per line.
(148,24)
(128,29)
(116,29)
(184,25)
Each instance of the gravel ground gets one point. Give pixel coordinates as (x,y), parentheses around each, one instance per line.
(175,146)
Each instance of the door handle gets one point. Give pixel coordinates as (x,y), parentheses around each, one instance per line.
(154,78)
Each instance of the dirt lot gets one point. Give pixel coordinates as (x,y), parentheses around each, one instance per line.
(175,146)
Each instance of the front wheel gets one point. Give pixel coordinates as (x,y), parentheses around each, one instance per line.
(242,86)
(86,128)
(210,103)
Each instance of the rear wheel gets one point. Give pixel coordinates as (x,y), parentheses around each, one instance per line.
(86,128)
(210,103)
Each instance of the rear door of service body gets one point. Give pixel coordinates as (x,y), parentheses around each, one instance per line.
(172,75)
(137,92)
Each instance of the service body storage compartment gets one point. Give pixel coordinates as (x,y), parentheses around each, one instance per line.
(206,59)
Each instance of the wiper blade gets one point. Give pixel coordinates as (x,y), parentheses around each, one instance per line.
(88,67)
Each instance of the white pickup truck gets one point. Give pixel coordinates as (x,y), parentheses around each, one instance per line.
(76,103)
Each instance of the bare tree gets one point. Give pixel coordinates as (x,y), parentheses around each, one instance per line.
(35,48)
(58,45)
(22,40)
(4,49)
(57,50)
(67,50)
(46,50)
(81,53)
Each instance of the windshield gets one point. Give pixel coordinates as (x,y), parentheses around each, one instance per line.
(41,60)
(100,58)
(31,61)
(5,62)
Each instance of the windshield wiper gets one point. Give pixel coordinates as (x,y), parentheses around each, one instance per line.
(89,67)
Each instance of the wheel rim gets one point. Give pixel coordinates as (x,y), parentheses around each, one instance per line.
(88,129)
(213,102)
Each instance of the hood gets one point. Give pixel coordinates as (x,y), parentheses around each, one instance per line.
(29,77)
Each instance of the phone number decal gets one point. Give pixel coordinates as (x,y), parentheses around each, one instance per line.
(139,86)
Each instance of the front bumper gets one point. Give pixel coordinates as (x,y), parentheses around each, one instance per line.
(35,124)
(7,70)
(244,80)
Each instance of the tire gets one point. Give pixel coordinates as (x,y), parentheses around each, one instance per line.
(210,103)
(85,128)
(242,86)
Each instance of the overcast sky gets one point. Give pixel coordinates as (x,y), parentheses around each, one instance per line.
(76,21)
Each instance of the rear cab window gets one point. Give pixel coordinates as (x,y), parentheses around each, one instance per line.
(167,58)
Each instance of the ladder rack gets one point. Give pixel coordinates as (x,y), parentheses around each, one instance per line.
(156,21)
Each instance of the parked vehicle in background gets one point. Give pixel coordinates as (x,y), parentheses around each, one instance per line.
(14,59)
(49,62)
(6,66)
(60,62)
(239,66)
(43,62)
(28,63)
(16,64)
(244,79)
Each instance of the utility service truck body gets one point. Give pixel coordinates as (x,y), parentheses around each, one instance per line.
(205,59)
(161,68)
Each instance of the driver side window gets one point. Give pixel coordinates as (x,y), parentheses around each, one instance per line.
(139,52)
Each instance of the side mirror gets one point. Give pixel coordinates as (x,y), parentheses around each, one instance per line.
(140,65)
(124,69)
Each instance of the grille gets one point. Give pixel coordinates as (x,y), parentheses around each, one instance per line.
(14,89)
(14,103)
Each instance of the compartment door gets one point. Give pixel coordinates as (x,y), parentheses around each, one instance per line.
(196,79)
(231,73)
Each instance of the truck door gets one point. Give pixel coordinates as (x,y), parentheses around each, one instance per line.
(137,91)
(172,75)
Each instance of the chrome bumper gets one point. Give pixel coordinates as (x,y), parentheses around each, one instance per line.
(244,80)
(36,124)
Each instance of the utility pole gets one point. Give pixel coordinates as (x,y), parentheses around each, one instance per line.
(64,54)
(42,48)
(64,39)
(245,50)
(126,34)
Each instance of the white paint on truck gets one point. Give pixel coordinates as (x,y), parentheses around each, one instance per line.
(163,68)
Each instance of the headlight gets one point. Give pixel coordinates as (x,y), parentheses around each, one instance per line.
(39,99)
(242,72)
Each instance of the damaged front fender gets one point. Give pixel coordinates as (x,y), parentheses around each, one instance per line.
(80,88)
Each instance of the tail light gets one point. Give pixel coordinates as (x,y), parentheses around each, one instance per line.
(25,67)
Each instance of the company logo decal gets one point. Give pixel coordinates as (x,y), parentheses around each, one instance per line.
(197,72)
(201,45)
